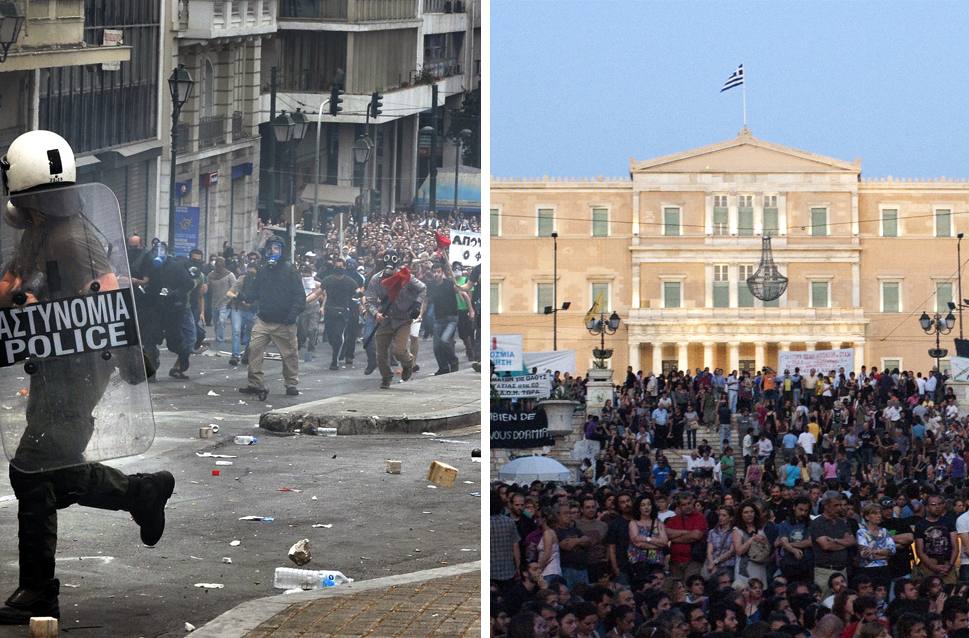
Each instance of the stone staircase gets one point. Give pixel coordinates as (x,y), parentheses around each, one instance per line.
(712,435)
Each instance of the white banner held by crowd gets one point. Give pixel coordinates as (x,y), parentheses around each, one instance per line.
(824,361)
(959,368)
(553,361)
(466,248)
(528,386)
(506,353)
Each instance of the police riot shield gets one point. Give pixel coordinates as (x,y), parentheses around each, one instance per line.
(72,374)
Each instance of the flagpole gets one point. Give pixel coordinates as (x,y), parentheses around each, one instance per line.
(745,96)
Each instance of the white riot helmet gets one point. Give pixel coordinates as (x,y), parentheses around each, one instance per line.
(37,158)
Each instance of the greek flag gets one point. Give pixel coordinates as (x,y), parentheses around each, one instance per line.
(736,79)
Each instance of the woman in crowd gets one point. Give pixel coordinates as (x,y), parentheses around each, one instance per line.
(720,548)
(875,546)
(748,531)
(647,539)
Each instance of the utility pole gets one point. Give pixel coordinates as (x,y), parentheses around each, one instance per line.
(272,155)
(433,202)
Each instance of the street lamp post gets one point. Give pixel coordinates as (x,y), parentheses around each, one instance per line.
(180,85)
(554,308)
(602,327)
(462,137)
(432,182)
(361,155)
(959,260)
(939,326)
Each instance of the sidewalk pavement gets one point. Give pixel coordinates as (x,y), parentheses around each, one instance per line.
(423,404)
(435,603)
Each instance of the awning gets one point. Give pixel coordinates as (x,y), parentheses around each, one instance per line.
(469,190)
(330,195)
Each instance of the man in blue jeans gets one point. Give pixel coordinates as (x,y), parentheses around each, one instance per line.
(443,292)
(243,315)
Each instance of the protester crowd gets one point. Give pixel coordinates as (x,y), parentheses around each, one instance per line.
(843,513)
(178,298)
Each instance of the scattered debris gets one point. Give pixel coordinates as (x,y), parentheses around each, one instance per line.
(288,489)
(394,467)
(226,560)
(212,393)
(430,434)
(258,518)
(209,455)
(478,494)
(223,462)
(433,487)
(210,585)
(326,525)
(299,553)
(189,627)
(235,543)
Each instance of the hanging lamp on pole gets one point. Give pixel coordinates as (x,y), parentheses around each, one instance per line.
(767,284)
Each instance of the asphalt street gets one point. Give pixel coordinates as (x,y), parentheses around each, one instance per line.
(333,491)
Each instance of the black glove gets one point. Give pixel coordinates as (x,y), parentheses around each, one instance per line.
(415,310)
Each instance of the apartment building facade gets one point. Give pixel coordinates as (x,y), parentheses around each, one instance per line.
(672,246)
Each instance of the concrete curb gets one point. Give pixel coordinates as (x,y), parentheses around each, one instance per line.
(428,404)
(248,616)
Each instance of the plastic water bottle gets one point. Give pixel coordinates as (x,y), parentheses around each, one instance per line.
(245,440)
(290,578)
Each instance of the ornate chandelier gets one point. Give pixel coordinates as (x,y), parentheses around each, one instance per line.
(767,284)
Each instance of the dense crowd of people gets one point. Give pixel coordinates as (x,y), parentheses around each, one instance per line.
(843,513)
(321,295)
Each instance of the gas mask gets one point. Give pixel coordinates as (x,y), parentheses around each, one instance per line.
(158,254)
(273,253)
(390,259)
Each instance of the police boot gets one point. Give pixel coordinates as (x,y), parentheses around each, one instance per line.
(29,602)
(148,494)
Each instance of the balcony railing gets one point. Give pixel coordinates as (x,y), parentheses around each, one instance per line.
(212,131)
(225,14)
(444,6)
(443,67)
(238,132)
(349,10)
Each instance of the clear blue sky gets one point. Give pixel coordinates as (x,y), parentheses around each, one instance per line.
(577,88)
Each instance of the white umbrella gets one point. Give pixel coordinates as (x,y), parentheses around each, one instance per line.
(533,468)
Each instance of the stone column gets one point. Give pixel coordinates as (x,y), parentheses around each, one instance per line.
(657,357)
(859,347)
(708,354)
(733,356)
(810,346)
(759,355)
(634,356)
(682,349)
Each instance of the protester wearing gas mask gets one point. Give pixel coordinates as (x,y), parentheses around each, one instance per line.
(278,294)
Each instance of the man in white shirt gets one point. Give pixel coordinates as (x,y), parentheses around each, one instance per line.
(807,441)
(920,383)
(748,448)
(690,460)
(764,447)
(930,385)
(962,529)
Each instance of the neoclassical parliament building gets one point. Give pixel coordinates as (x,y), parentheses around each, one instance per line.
(672,246)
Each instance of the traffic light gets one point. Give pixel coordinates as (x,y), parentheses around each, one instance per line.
(336,100)
(376,104)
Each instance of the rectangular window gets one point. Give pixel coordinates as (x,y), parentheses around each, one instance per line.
(546,222)
(721,286)
(606,302)
(889,365)
(494,222)
(671,222)
(890,301)
(771,225)
(943,222)
(745,298)
(747,365)
(746,201)
(819,222)
(543,297)
(890,222)
(600,222)
(719,201)
(671,294)
(943,295)
(495,300)
(770,201)
(819,294)
(721,222)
